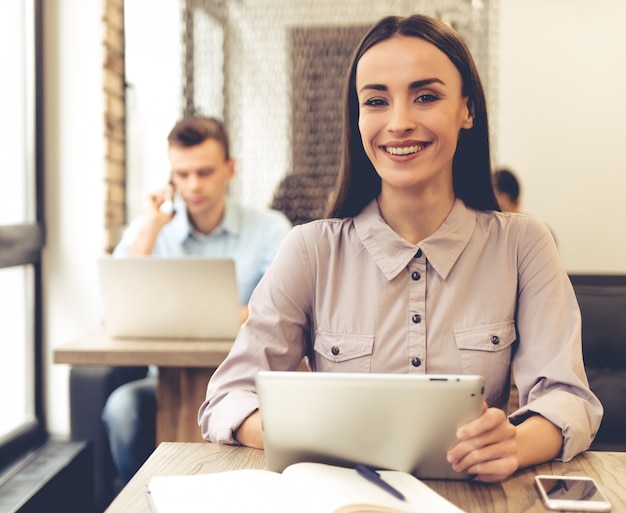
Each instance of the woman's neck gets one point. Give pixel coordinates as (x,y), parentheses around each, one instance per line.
(415,217)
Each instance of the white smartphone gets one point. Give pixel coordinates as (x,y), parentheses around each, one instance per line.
(571,493)
(167,207)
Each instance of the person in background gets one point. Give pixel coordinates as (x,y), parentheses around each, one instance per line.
(509,193)
(202,221)
(508,190)
(417,271)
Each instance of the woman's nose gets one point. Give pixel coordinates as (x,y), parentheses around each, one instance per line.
(401,119)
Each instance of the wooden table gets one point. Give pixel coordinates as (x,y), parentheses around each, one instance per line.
(515,495)
(185,367)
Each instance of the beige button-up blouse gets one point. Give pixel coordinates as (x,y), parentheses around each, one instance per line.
(486,293)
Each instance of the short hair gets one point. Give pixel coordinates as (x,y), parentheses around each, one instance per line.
(193,130)
(504,181)
(358,181)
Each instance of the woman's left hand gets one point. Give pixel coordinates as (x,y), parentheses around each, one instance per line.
(487,447)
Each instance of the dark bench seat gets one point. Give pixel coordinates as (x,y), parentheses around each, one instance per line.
(602,301)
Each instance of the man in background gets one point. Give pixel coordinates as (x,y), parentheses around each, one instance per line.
(190,216)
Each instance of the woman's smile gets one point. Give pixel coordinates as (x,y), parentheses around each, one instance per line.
(404,149)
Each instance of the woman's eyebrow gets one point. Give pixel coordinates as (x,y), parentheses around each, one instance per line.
(413,85)
(373,87)
(427,81)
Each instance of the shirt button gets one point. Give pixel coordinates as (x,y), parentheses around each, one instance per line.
(334,350)
(416,276)
(416,362)
(416,318)
(418,254)
(495,340)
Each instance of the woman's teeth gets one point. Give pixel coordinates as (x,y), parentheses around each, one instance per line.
(405,150)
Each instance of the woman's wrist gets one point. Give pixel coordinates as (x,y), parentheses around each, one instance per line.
(250,432)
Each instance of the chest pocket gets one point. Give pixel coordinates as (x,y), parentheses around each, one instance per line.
(486,350)
(345,352)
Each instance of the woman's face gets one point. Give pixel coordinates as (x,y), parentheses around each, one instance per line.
(411,111)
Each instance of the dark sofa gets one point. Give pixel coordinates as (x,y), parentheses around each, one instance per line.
(602,301)
(89,388)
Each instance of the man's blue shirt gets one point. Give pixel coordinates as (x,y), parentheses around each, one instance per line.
(249,236)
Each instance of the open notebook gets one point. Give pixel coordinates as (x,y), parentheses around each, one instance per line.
(169,298)
(403,422)
(300,488)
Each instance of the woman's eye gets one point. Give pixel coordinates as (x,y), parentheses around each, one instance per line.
(426,98)
(375,102)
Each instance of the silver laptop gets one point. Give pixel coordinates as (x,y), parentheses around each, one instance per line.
(169,298)
(387,421)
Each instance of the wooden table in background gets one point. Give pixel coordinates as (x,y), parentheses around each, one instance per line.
(515,495)
(185,367)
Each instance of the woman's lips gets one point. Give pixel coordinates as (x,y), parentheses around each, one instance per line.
(405,149)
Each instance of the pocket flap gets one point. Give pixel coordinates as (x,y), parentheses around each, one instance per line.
(341,347)
(487,337)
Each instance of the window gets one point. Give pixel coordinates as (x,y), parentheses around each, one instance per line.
(21,230)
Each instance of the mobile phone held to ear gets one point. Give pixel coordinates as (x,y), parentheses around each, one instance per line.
(167,207)
(571,493)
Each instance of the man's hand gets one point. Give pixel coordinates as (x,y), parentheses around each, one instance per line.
(153,220)
(153,205)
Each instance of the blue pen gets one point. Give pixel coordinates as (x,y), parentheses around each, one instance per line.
(374,477)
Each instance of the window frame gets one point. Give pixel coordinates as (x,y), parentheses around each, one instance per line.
(22,245)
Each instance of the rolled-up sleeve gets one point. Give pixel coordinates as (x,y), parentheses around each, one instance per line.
(548,366)
(273,338)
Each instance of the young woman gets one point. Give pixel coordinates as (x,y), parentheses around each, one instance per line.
(417,271)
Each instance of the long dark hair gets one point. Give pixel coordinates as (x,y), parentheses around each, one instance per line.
(358,183)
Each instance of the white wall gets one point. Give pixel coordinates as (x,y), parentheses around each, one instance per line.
(153,95)
(562,122)
(74,187)
(561,117)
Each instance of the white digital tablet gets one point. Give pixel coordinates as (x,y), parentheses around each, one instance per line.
(401,422)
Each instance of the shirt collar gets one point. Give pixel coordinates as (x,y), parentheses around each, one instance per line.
(444,247)
(392,253)
(182,228)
